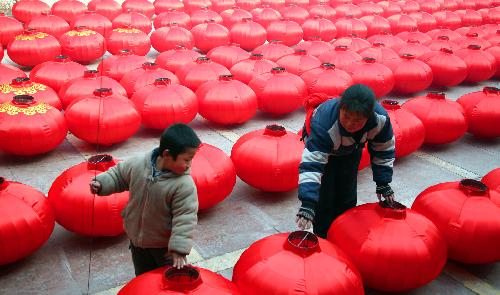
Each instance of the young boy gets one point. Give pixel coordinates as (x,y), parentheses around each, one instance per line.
(161,213)
(339,129)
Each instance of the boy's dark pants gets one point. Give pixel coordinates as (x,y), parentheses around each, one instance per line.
(146,259)
(338,191)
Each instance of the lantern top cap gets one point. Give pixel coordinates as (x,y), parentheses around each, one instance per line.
(62,58)
(184,279)
(393,209)
(446,50)
(471,34)
(162,81)
(491,90)
(101,162)
(303,240)
(90,73)
(369,60)
(202,59)
(276,70)
(103,92)
(225,77)
(443,37)
(275,130)
(149,66)
(408,56)
(474,46)
(20,81)
(328,66)
(23,100)
(436,95)
(473,187)
(341,48)
(378,44)
(126,52)
(389,104)
(300,52)
(3,183)
(100,159)
(412,41)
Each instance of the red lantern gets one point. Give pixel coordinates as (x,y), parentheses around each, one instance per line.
(381,54)
(374,75)
(430,6)
(32,48)
(87,116)
(294,13)
(214,174)
(440,43)
(162,104)
(482,112)
(248,4)
(411,75)
(275,4)
(192,75)
(290,88)
(95,22)
(24,86)
(128,38)
(162,6)
(25,10)
(143,76)
(228,55)
(174,59)
(443,119)
(169,37)
(173,281)
(368,234)
(210,35)
(58,72)
(118,65)
(453,209)
(415,36)
(203,15)
(387,39)
(492,179)
(69,10)
(351,26)
(376,24)
(437,33)
(341,57)
(448,19)
(289,257)
(8,72)
(402,23)
(472,38)
(265,15)
(83,87)
(268,159)
(30,127)
(83,45)
(256,65)
(492,16)
(470,17)
(107,8)
(390,8)
(140,6)
(409,6)
(134,20)
(233,16)
(10,29)
(323,10)
(192,5)
(81,212)
(298,62)
(481,65)
(27,220)
(348,10)
(413,47)
(51,24)
(222,5)
(273,50)
(226,101)
(327,79)
(316,47)
(450,5)
(371,8)
(494,38)
(287,31)
(182,19)
(495,51)
(248,34)
(447,68)
(319,27)
(467,4)
(353,43)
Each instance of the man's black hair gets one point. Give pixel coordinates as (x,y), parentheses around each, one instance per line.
(358,98)
(177,139)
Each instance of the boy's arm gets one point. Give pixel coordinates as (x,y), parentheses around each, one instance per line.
(382,149)
(184,218)
(115,180)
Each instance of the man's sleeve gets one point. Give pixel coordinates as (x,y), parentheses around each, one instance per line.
(382,149)
(184,219)
(115,180)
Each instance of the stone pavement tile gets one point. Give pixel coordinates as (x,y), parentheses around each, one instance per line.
(208,134)
(489,273)
(227,273)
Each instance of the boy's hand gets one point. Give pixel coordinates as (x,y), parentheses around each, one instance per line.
(180,260)
(385,191)
(95,186)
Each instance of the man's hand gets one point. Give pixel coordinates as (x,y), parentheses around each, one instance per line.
(305,216)
(95,186)
(179,260)
(385,191)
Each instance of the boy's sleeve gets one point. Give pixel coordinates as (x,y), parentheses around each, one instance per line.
(382,149)
(184,219)
(115,180)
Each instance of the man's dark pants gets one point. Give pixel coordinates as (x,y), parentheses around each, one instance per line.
(146,259)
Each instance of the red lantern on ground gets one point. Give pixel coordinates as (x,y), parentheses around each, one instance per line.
(129,38)
(323,10)
(140,6)
(316,47)
(443,119)
(411,75)
(368,234)
(492,179)
(25,10)
(87,115)
(287,31)
(134,20)
(210,35)
(326,79)
(226,101)
(203,15)
(273,50)
(51,24)
(482,110)
(214,174)
(287,256)
(409,6)
(374,75)
(381,54)
(256,65)
(402,23)
(387,39)
(353,43)
(437,33)
(430,6)
(24,86)
(298,62)
(95,22)
(69,10)
(85,86)
(118,65)
(83,45)
(8,73)
(145,75)
(470,17)
(448,19)
(348,9)
(495,51)
(414,35)
(248,4)
(222,5)
(248,34)
(413,47)
(375,24)
(162,6)
(341,57)
(30,127)
(453,209)
(81,212)
(472,38)
(268,159)
(228,55)
(319,27)
(169,37)
(107,8)
(182,19)
(27,220)
(351,26)
(193,5)
(10,29)
(58,72)
(32,48)
(390,8)
(192,75)
(494,38)
(290,88)
(233,16)
(447,68)
(162,104)
(265,15)
(294,13)
(174,59)
(481,65)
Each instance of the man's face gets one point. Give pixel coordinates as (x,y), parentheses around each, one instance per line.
(352,121)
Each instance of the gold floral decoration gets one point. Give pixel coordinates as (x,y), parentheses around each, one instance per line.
(25,37)
(127,30)
(80,33)
(27,90)
(11,109)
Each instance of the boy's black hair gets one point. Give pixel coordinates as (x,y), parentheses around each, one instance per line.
(358,98)
(177,138)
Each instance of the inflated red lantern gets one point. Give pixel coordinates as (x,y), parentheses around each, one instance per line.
(32,48)
(145,75)
(226,101)
(69,10)
(162,6)
(409,6)
(107,8)
(51,24)
(233,16)
(447,68)
(174,59)
(353,43)
(8,73)
(193,74)
(414,35)
(390,8)
(341,57)
(294,13)
(448,19)
(268,159)
(30,127)
(95,22)
(368,235)
(273,50)
(481,65)
(387,39)
(128,38)
(290,89)
(442,42)
(193,5)
(248,34)
(351,26)
(85,86)
(169,37)
(256,65)
(87,116)
(57,72)
(348,9)
(411,75)
(228,55)
(443,119)
(319,27)
(10,29)
(495,51)
(467,4)
(370,8)
(27,220)
(173,281)
(275,4)
(374,75)
(492,179)
(289,256)
(315,47)
(425,21)
(409,131)
(265,15)
(118,65)
(493,16)
(323,10)
(83,45)
(25,10)
(494,39)
(453,208)
(298,62)
(203,15)
(248,4)
(141,6)
(327,79)
(80,211)
(162,104)
(181,18)
(375,24)
(287,31)
(437,33)
(134,20)
(470,17)
(222,5)
(429,6)
(210,35)
(413,47)
(472,38)
(402,23)
(24,86)
(482,112)
(381,54)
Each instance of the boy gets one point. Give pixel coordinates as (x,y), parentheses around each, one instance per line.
(161,213)
(339,129)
